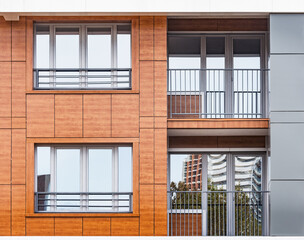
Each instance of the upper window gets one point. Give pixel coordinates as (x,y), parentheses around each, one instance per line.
(80,178)
(82,56)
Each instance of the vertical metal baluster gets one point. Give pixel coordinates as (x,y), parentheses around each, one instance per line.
(214,209)
(247,95)
(219,214)
(252,91)
(171,204)
(238,94)
(237,218)
(258,90)
(185,93)
(194,99)
(184,214)
(196,223)
(175,92)
(199,95)
(190,80)
(245,216)
(188,212)
(180,92)
(176,214)
(170,92)
(241,214)
(223,214)
(180,215)
(192,213)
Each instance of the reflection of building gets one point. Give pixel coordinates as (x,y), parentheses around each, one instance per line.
(192,171)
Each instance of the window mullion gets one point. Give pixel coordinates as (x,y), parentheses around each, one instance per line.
(53,178)
(52,56)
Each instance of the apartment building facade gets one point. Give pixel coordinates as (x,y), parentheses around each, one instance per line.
(121,122)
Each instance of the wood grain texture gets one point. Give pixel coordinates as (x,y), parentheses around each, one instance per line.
(68,115)
(192,25)
(193,142)
(160,88)
(96,227)
(40,116)
(135,54)
(5,156)
(160,153)
(146,210)
(5,40)
(40,227)
(258,24)
(68,226)
(146,38)
(29,54)
(5,88)
(146,156)
(135,178)
(161,210)
(125,115)
(146,122)
(5,210)
(30,177)
(18,210)
(160,122)
(18,156)
(146,88)
(18,39)
(241,142)
(97,115)
(5,122)
(19,122)
(125,227)
(18,89)
(160,38)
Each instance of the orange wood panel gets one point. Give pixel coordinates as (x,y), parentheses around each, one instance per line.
(29,54)
(259,24)
(192,24)
(241,141)
(193,142)
(19,122)
(146,210)
(5,40)
(65,92)
(146,38)
(219,123)
(68,115)
(5,210)
(160,122)
(40,116)
(146,156)
(5,87)
(160,88)
(135,178)
(18,156)
(97,115)
(182,225)
(5,122)
(18,39)
(124,227)
(160,156)
(18,89)
(184,104)
(18,210)
(135,54)
(96,227)
(160,38)
(146,122)
(30,175)
(40,227)
(125,115)
(5,156)
(161,210)
(82,140)
(89,19)
(68,226)
(146,88)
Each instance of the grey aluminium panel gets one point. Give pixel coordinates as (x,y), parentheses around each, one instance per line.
(286,33)
(287,117)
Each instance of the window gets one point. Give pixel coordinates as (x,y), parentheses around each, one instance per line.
(82,56)
(83,178)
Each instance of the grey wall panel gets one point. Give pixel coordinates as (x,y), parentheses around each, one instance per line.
(287,117)
(287,83)
(287,208)
(287,151)
(286,33)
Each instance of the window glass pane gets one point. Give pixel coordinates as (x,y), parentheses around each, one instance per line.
(215,45)
(123,50)
(217,172)
(246,46)
(125,169)
(184,45)
(42,50)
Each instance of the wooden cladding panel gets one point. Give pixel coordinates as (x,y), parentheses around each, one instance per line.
(160,38)
(146,38)
(136,178)
(18,156)
(19,122)
(146,88)
(241,24)
(160,88)
(5,87)
(135,54)
(184,226)
(97,115)
(160,155)
(68,226)
(18,210)
(40,116)
(18,89)
(161,210)
(146,156)
(160,122)
(125,115)
(146,210)
(68,115)
(5,40)
(184,104)
(5,122)
(124,227)
(5,210)
(18,40)
(5,156)
(217,142)
(96,227)
(40,227)
(146,122)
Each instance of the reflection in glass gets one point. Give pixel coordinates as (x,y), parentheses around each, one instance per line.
(217,172)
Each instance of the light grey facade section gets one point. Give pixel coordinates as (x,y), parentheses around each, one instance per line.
(287,124)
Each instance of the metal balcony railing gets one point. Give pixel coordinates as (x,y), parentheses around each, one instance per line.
(84,202)
(218,213)
(217,93)
(85,79)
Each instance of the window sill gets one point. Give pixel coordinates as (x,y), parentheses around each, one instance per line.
(38,215)
(82,92)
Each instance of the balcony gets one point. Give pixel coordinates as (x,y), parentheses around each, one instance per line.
(217,93)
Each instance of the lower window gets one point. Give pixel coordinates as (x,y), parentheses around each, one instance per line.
(83,178)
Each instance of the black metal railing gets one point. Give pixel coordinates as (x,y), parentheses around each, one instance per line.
(84,202)
(85,79)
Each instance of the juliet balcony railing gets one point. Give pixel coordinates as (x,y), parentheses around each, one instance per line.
(100,202)
(218,213)
(84,79)
(217,93)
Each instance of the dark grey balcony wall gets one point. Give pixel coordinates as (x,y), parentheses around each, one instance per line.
(287,124)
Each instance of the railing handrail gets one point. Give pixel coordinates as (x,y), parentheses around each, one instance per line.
(224,191)
(88,193)
(82,69)
(219,69)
